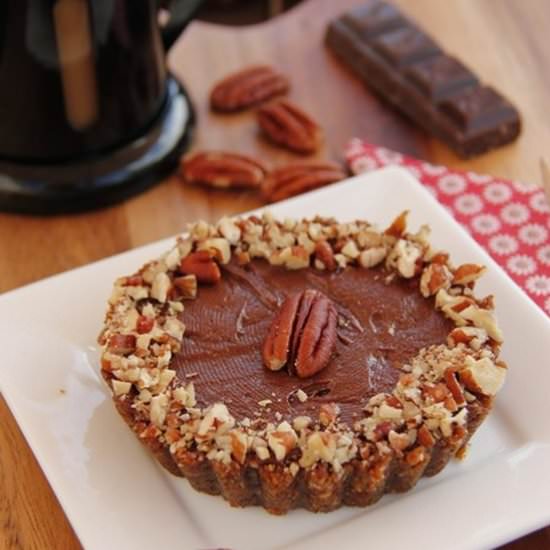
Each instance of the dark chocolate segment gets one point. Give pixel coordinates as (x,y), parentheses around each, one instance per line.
(374,18)
(404,46)
(408,70)
(441,76)
(477,108)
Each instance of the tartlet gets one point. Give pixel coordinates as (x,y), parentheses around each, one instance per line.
(411,372)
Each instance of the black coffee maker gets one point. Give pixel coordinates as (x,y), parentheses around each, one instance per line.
(88,113)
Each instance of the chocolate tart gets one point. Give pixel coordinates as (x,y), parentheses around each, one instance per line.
(305,363)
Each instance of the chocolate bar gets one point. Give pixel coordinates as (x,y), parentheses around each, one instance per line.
(406,67)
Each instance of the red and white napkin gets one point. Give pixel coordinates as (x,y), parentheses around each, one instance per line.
(511,220)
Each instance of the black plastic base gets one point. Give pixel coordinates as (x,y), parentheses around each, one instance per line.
(105,178)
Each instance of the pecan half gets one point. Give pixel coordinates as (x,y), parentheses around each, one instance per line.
(287,125)
(201,264)
(248,87)
(302,335)
(299,177)
(223,170)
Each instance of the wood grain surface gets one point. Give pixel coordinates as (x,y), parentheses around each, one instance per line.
(504,41)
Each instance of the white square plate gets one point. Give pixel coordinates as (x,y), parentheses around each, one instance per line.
(117,497)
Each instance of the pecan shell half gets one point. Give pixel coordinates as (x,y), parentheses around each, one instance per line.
(222,169)
(302,335)
(285,124)
(299,177)
(248,87)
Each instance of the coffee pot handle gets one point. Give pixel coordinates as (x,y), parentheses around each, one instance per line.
(181,13)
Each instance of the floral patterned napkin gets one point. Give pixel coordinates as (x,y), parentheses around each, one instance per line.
(511,220)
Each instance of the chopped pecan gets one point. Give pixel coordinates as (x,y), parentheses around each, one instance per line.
(281,443)
(482,376)
(438,392)
(454,386)
(398,441)
(398,226)
(440,258)
(243,258)
(201,264)
(229,229)
(238,446)
(364,452)
(350,250)
(324,253)
(488,302)
(406,258)
(144,324)
(222,169)
(298,258)
(463,303)
(372,256)
(247,87)
(134,280)
(220,248)
(425,437)
(468,273)
(458,435)
(120,388)
(435,277)
(382,430)
(328,413)
(172,435)
(450,403)
(416,456)
(459,336)
(299,177)
(387,412)
(394,402)
(471,336)
(287,125)
(302,335)
(161,287)
(407,379)
(186,285)
(481,318)
(122,344)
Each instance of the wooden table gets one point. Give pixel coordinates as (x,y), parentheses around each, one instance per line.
(503,40)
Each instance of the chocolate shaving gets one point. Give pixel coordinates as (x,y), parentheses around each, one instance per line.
(344,339)
(349,319)
(263,294)
(239,324)
(317,389)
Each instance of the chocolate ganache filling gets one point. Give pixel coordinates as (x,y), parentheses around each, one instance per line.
(383,321)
